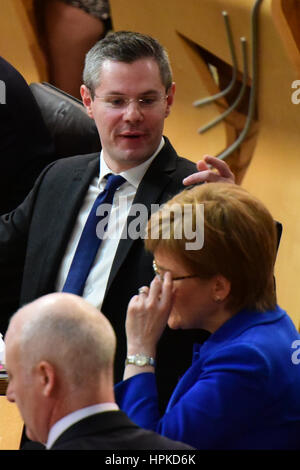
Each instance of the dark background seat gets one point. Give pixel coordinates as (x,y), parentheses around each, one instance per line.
(72,130)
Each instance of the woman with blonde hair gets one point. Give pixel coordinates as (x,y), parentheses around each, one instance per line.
(242,390)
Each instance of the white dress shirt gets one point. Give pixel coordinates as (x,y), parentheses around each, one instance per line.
(96,282)
(67,421)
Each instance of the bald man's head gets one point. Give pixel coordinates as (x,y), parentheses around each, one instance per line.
(67,331)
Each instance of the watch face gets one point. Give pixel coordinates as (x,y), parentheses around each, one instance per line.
(141,360)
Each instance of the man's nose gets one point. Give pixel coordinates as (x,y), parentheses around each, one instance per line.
(133,111)
(9,394)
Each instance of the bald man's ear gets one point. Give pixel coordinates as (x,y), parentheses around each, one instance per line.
(47,379)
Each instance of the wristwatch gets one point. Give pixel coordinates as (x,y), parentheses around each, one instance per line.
(140,360)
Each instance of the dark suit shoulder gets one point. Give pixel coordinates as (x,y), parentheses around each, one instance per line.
(172,166)
(185,167)
(173,161)
(75,162)
(150,440)
(186,164)
(55,178)
(113,430)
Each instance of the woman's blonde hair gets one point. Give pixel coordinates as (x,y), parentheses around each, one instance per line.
(240,241)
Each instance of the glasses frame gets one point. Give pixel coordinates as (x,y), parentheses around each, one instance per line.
(139,101)
(178,278)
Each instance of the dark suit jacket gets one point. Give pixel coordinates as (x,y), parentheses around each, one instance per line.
(26,146)
(36,234)
(111,430)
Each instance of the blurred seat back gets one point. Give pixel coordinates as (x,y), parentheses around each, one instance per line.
(73,131)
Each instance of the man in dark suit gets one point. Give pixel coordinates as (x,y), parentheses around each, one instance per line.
(64,348)
(128,91)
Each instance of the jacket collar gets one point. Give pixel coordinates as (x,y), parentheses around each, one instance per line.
(99,424)
(236,325)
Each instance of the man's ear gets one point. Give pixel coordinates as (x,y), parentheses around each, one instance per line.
(47,377)
(170,98)
(87,100)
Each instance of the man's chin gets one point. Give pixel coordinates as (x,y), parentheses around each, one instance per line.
(31,435)
(136,149)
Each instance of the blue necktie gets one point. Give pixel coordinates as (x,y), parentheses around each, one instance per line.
(89,241)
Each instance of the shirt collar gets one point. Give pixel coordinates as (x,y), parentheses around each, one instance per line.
(67,421)
(134,175)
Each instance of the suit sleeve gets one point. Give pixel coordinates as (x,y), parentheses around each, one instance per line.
(14,228)
(212,404)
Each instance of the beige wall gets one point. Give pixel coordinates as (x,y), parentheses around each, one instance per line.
(18,41)
(11,425)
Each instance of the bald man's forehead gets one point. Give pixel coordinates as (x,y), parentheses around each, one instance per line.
(61,305)
(61,301)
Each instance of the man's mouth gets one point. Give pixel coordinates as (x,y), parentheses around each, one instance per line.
(132,135)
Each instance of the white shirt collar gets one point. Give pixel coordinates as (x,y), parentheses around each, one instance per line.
(134,175)
(64,423)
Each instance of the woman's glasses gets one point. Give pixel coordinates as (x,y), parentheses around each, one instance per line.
(178,278)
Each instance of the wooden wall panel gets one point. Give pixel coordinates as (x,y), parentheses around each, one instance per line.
(19,44)
(11,425)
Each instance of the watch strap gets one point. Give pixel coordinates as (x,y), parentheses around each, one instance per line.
(140,360)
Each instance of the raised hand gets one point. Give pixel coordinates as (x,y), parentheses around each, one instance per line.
(210,170)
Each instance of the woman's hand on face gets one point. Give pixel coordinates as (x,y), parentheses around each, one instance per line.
(147,316)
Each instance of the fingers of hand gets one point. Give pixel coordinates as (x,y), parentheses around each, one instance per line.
(210,169)
(144,290)
(220,166)
(155,290)
(207,176)
(148,314)
(195,178)
(201,165)
(157,298)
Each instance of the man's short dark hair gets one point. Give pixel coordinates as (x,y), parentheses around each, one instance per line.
(125,46)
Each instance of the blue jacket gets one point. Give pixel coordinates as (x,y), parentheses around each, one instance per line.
(242,390)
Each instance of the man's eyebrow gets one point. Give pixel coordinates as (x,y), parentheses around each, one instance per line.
(150,92)
(143,93)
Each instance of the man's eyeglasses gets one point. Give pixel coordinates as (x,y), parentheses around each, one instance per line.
(121,102)
(178,278)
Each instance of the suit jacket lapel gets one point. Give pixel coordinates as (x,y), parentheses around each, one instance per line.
(150,191)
